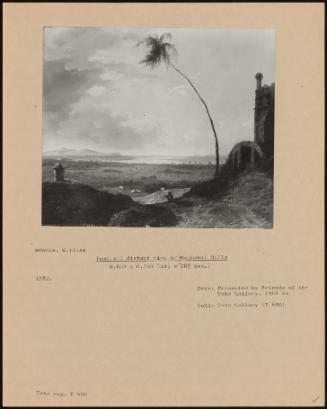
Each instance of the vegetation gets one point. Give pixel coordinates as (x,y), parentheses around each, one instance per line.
(159,50)
(73,204)
(242,201)
(146,177)
(143,216)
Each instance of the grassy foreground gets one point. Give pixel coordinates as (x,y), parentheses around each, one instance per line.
(244,201)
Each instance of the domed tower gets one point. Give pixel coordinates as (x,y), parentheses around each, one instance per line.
(259,77)
(58,172)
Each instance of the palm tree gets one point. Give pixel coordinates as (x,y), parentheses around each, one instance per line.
(159,49)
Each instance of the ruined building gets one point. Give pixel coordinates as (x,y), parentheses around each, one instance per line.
(264,117)
(260,151)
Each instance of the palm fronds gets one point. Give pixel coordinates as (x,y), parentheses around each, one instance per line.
(158,50)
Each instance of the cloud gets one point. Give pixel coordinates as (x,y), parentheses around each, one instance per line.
(91,123)
(110,75)
(96,90)
(180,89)
(62,88)
(125,52)
(96,93)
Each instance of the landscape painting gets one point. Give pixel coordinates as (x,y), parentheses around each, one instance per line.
(158,127)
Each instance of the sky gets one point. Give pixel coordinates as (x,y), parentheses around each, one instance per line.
(97,95)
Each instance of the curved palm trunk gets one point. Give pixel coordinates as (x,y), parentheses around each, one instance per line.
(207,110)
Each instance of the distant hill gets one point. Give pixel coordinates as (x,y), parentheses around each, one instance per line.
(204,159)
(88,154)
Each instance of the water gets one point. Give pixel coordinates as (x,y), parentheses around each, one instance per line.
(169,160)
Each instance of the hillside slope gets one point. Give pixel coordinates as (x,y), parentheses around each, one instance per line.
(74,204)
(246,202)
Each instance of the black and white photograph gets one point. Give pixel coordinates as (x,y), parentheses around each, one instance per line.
(158,127)
(164,205)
